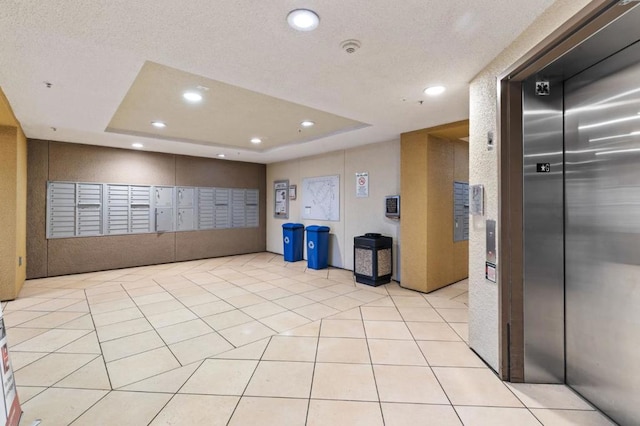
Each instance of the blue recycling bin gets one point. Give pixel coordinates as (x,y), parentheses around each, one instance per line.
(317,246)
(293,239)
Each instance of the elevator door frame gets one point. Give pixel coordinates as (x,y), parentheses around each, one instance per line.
(561,43)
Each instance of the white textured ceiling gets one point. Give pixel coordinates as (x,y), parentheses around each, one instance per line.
(92,51)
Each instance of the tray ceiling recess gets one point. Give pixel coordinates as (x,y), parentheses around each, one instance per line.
(226,116)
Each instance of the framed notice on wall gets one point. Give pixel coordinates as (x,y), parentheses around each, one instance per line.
(362,185)
(281,197)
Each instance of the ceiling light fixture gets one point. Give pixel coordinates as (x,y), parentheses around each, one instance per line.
(158,124)
(303,19)
(256,140)
(434,90)
(221,155)
(192,96)
(137,145)
(307,123)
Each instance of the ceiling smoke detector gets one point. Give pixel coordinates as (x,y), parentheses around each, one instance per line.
(350,46)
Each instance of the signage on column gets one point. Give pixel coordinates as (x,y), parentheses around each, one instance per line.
(10,402)
(362,185)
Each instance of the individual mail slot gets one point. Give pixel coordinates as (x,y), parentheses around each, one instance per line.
(205,194)
(118,224)
(206,222)
(63,209)
(140,212)
(140,227)
(238,219)
(185,197)
(61,232)
(163,196)
(185,220)
(61,190)
(118,199)
(164,219)
(222,219)
(252,197)
(117,194)
(89,230)
(89,192)
(222,196)
(64,227)
(62,224)
(252,216)
(62,199)
(238,196)
(140,195)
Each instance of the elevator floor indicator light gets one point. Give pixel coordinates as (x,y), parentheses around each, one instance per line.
(543,167)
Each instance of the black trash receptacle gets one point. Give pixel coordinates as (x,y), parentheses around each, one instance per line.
(317,247)
(293,239)
(373,259)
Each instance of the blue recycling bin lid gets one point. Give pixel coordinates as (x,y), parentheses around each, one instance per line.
(292,225)
(318,228)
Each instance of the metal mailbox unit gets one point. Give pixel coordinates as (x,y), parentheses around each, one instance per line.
(78,209)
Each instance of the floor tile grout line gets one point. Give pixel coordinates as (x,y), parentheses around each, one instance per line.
(313,372)
(104,362)
(91,406)
(434,374)
(74,371)
(248,381)
(165,342)
(373,372)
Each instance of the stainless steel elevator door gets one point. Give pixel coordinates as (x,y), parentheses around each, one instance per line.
(602,235)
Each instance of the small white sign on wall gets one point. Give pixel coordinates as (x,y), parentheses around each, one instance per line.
(362,185)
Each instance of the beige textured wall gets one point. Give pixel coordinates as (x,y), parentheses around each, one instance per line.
(13,199)
(357,215)
(415,213)
(483,295)
(60,161)
(8,212)
(430,165)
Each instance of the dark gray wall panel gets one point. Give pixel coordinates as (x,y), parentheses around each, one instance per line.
(218,242)
(87,163)
(37,172)
(75,255)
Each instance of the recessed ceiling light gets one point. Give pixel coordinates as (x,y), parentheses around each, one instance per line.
(158,124)
(221,155)
(307,123)
(256,140)
(137,145)
(303,20)
(192,96)
(434,90)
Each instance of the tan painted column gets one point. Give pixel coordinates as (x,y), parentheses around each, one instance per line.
(431,161)
(13,203)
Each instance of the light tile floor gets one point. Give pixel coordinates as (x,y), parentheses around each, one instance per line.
(253,340)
